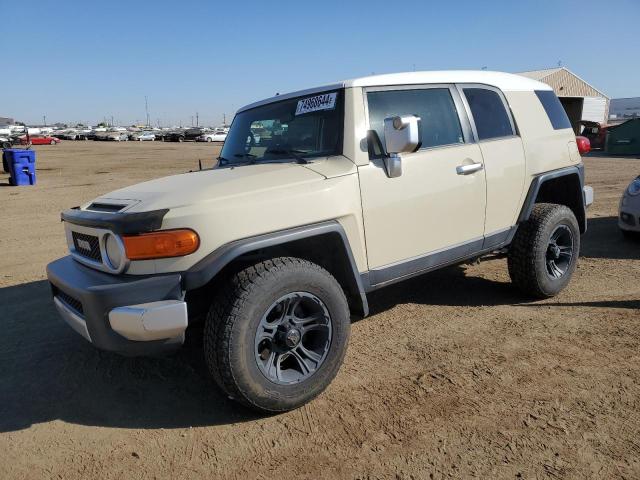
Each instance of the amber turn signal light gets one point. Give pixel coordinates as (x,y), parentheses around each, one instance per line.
(162,244)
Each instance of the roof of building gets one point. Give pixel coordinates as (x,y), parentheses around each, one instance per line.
(564,82)
(501,80)
(539,74)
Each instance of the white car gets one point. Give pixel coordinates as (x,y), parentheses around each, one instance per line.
(146,136)
(629,210)
(212,137)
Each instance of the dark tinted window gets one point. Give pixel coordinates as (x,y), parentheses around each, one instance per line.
(439,125)
(555,110)
(489,113)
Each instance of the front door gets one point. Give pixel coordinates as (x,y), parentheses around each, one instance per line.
(435,210)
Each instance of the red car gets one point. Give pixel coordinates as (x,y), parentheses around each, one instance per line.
(39,140)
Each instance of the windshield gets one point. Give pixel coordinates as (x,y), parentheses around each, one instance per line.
(295,129)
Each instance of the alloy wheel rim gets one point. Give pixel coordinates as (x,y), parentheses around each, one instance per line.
(559,252)
(293,338)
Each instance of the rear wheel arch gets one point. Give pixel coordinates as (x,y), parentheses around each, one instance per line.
(562,187)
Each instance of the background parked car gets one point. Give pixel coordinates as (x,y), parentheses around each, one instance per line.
(629,210)
(184,135)
(5,142)
(39,140)
(217,136)
(595,132)
(145,136)
(118,136)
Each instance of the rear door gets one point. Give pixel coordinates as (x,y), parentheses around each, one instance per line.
(434,210)
(503,156)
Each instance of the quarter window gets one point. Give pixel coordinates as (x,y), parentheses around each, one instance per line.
(439,123)
(489,113)
(555,110)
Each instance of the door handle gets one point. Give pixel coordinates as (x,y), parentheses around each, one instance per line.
(468,169)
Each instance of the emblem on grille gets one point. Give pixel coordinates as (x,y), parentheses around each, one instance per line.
(84,245)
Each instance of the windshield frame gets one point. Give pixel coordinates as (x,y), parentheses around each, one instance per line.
(229,161)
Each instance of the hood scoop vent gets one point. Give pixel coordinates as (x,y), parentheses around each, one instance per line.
(105,207)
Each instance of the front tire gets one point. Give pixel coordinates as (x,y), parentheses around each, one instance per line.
(276,335)
(545,250)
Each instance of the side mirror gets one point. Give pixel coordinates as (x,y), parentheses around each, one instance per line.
(401,135)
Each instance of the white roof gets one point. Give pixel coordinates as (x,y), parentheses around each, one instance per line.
(501,80)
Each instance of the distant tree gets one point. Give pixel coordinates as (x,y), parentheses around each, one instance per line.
(103,124)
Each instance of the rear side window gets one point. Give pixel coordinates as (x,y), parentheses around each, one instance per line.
(439,123)
(489,113)
(555,110)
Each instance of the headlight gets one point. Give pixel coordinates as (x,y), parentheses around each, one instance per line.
(115,251)
(634,187)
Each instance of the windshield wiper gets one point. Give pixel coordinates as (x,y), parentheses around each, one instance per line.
(289,151)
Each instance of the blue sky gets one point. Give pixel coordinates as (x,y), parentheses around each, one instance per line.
(85,60)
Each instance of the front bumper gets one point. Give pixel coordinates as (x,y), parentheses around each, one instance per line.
(121,313)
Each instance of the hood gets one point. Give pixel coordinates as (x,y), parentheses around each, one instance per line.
(220,184)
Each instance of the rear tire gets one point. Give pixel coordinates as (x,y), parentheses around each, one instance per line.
(629,235)
(544,251)
(250,342)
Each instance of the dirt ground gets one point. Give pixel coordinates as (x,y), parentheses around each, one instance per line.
(455,374)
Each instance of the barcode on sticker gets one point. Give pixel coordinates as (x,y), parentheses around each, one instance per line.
(326,101)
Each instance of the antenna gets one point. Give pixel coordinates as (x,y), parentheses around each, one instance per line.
(146,109)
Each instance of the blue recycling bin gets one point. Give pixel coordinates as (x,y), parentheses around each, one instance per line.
(21,165)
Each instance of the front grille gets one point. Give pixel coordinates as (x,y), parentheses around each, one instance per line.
(68,300)
(87,246)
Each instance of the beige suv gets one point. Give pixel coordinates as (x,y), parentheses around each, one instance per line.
(318,198)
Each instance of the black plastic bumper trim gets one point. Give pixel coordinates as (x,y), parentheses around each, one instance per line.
(100,292)
(123,223)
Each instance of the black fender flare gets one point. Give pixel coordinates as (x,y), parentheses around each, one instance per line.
(207,268)
(539,180)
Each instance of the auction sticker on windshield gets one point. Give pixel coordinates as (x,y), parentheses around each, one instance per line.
(326,101)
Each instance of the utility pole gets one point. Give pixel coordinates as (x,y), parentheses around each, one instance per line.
(44,120)
(224,119)
(197,120)
(192,120)
(146,109)
(112,124)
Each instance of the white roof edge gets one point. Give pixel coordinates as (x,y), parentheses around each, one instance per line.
(503,81)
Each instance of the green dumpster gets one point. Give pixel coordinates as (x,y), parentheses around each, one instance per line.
(624,139)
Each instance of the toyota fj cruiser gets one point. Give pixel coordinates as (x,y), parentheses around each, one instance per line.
(318,198)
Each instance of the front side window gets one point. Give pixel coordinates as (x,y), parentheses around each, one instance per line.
(489,113)
(439,121)
(294,129)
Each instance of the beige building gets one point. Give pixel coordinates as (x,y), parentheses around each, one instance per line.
(580,100)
